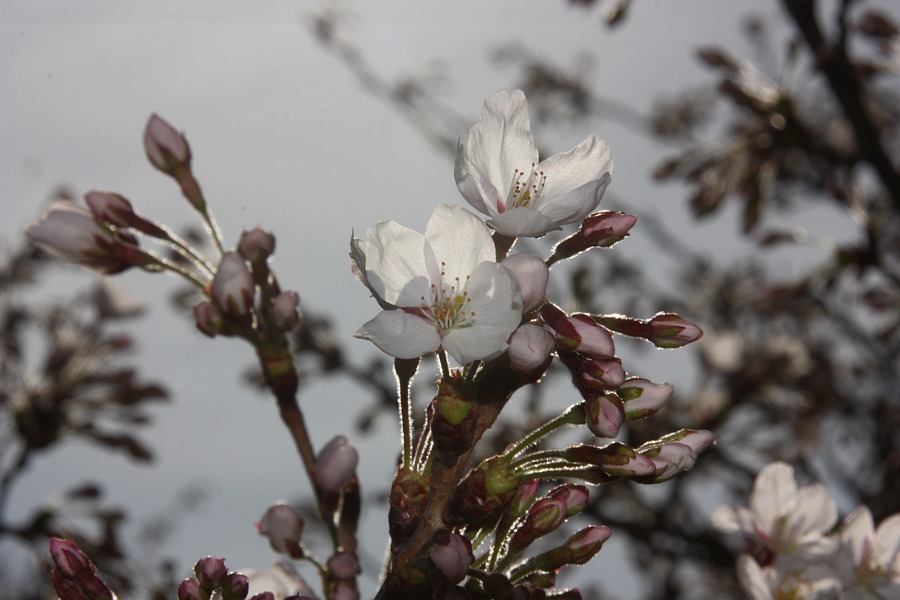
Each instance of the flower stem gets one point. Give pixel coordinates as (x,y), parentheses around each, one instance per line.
(574,415)
(405,370)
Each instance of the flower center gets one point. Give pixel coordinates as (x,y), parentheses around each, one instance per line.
(527,187)
(447,307)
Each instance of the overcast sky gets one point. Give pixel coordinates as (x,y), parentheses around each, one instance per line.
(284,136)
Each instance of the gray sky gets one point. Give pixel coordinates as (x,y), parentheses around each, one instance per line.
(285,137)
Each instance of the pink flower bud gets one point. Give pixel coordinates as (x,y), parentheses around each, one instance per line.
(236,587)
(578,333)
(285,314)
(336,465)
(208,318)
(166,149)
(604,414)
(256,245)
(344,565)
(675,452)
(189,589)
(532,274)
(210,572)
(602,229)
(68,232)
(67,557)
(600,374)
(451,553)
(668,330)
(642,397)
(530,347)
(283,526)
(574,496)
(232,286)
(586,543)
(110,208)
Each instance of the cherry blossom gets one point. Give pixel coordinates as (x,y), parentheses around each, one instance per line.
(498,172)
(788,521)
(441,290)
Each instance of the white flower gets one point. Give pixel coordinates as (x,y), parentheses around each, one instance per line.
(440,290)
(874,555)
(789,521)
(282,580)
(498,172)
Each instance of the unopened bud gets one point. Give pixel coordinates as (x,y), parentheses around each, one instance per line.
(668,330)
(336,465)
(208,318)
(452,554)
(210,572)
(232,286)
(574,496)
(642,397)
(285,312)
(68,557)
(545,516)
(530,347)
(166,149)
(236,587)
(110,208)
(600,230)
(604,413)
(674,453)
(74,575)
(189,589)
(256,245)
(593,375)
(586,543)
(579,333)
(532,274)
(282,526)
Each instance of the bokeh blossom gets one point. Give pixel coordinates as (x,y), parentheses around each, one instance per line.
(499,173)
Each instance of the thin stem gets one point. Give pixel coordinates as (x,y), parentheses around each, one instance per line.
(405,419)
(167,265)
(213,231)
(574,415)
(445,368)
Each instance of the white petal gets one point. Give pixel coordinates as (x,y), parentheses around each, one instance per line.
(401,334)
(857,532)
(522,221)
(460,241)
(773,486)
(574,206)
(590,160)
(395,262)
(815,508)
(499,143)
(887,544)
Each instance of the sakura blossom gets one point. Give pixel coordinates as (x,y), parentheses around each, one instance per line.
(499,173)
(441,290)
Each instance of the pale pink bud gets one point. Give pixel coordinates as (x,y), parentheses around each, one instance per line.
(668,330)
(68,557)
(602,374)
(189,589)
(586,543)
(578,333)
(336,465)
(670,459)
(232,286)
(285,314)
(604,413)
(642,397)
(208,318)
(602,229)
(452,555)
(530,347)
(210,572)
(110,208)
(282,526)
(256,245)
(532,274)
(343,590)
(574,496)
(167,149)
(344,565)
(68,232)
